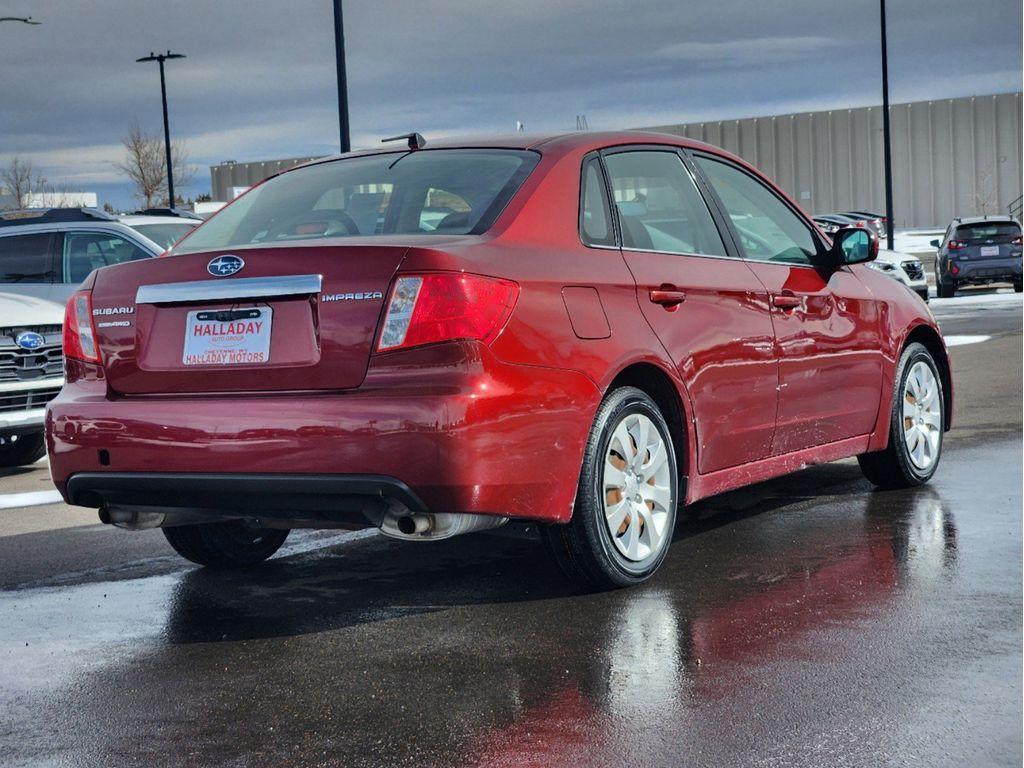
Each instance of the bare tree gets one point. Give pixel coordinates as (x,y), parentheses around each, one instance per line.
(985,195)
(145,165)
(21,181)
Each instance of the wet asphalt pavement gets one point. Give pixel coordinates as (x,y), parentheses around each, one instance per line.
(806,621)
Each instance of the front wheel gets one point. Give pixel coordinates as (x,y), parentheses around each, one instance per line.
(231,544)
(915,426)
(22,450)
(625,508)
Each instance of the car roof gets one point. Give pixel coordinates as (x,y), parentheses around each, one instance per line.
(132,220)
(86,226)
(1002,218)
(587,141)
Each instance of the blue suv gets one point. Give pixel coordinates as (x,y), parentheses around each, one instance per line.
(978,251)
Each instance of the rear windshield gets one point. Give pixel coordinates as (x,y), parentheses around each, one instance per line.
(987,230)
(450,191)
(164,235)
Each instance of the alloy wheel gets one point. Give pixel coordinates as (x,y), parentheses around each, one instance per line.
(637,488)
(922,416)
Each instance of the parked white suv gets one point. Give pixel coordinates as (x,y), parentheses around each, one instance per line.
(31,373)
(904,267)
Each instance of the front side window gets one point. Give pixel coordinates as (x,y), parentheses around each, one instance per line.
(659,205)
(444,191)
(86,251)
(25,259)
(768,229)
(595,213)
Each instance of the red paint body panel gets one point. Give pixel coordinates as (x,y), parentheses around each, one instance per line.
(454,423)
(497,428)
(583,303)
(828,344)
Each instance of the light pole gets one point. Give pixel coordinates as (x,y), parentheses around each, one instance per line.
(160,58)
(887,146)
(339,57)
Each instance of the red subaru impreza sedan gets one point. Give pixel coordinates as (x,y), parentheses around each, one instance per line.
(586,331)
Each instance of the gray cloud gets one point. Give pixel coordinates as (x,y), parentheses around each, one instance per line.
(259,78)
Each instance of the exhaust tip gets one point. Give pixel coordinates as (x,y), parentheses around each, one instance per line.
(407,525)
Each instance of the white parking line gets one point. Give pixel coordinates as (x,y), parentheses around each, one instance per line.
(30,499)
(962,339)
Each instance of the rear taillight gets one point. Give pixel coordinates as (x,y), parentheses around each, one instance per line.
(955,245)
(1018,240)
(444,306)
(79,332)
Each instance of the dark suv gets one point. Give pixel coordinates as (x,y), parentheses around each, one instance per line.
(978,251)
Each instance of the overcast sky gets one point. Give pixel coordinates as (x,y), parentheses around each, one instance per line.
(259,79)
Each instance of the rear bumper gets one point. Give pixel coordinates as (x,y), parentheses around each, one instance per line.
(353,499)
(988,271)
(460,429)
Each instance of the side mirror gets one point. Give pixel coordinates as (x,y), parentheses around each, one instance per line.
(936,243)
(854,245)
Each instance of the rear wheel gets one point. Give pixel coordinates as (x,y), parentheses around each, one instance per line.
(1018,287)
(915,425)
(230,544)
(625,508)
(945,290)
(22,449)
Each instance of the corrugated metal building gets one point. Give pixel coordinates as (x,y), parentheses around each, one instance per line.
(226,176)
(954,157)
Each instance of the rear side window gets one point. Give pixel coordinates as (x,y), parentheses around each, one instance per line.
(444,192)
(768,229)
(164,235)
(595,213)
(25,259)
(659,206)
(983,231)
(86,251)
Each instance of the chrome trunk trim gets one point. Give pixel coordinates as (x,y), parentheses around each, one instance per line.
(240,288)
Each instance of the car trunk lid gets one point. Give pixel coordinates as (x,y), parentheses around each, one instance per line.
(290,318)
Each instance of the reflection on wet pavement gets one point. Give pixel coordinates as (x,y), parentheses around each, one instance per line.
(809,622)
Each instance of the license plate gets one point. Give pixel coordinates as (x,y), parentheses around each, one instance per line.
(990,250)
(228,337)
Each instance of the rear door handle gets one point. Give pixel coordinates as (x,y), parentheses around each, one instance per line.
(668,297)
(786,301)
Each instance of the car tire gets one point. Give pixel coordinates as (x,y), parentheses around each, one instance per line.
(924,295)
(618,480)
(1018,287)
(230,544)
(945,290)
(913,453)
(26,449)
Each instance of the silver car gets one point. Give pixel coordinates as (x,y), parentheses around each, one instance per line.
(47,253)
(31,373)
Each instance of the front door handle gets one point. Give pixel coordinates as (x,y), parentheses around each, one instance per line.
(786,301)
(668,297)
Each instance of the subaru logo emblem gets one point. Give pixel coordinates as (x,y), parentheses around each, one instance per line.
(223,266)
(29,340)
